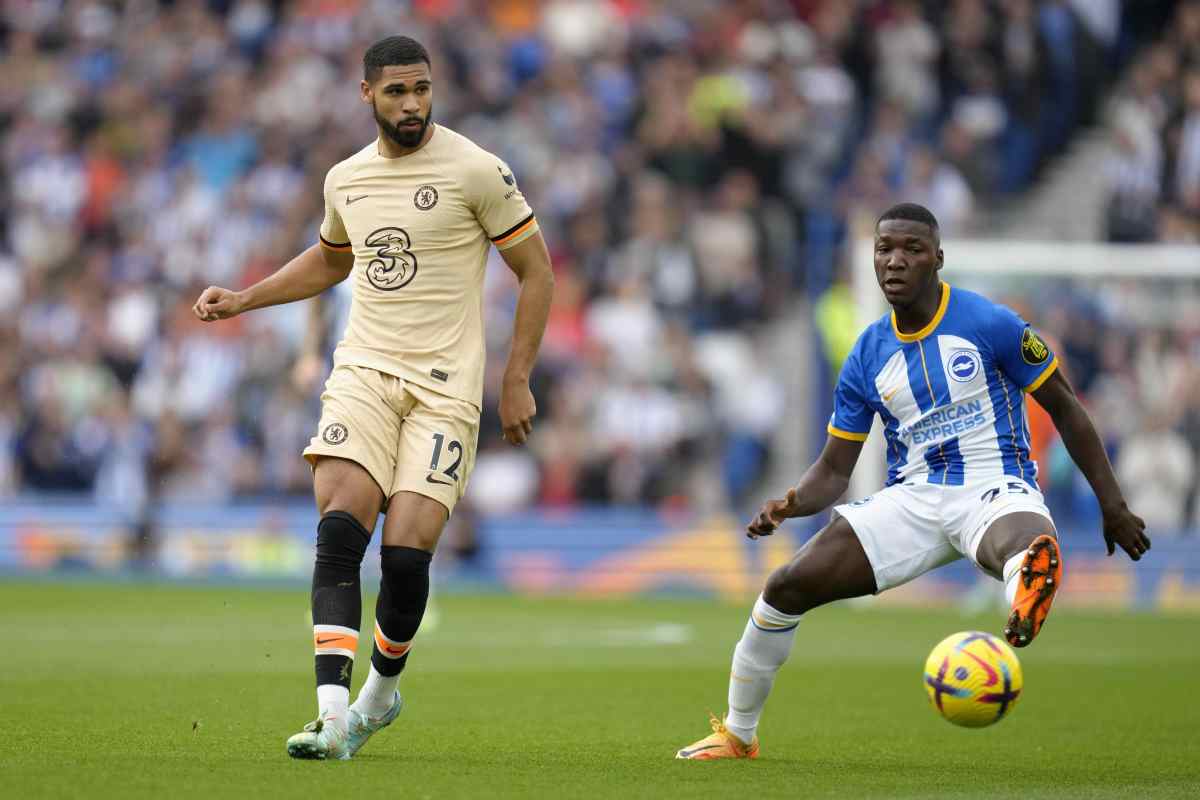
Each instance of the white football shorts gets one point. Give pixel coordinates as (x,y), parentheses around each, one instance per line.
(907,529)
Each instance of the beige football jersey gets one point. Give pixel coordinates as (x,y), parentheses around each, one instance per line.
(420,227)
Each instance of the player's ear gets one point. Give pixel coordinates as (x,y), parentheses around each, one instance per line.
(365,92)
(940,258)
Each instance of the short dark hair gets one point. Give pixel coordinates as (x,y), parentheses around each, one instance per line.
(392,50)
(911,212)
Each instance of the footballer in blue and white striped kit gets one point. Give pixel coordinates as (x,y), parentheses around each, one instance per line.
(947,372)
(951,396)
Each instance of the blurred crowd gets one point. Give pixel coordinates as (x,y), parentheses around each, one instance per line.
(692,164)
(1154,124)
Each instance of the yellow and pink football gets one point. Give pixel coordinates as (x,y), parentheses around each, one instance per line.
(973,679)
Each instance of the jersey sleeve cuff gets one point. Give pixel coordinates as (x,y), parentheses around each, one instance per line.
(328,245)
(851,436)
(516,234)
(1046,373)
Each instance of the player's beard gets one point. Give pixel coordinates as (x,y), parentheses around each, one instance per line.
(402,136)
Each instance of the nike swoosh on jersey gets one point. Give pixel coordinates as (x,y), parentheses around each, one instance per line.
(443,483)
(350,199)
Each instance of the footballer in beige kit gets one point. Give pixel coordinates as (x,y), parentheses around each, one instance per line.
(410,219)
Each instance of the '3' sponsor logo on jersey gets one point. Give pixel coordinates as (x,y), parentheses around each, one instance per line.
(394,265)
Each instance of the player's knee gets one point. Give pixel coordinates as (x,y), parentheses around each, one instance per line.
(341,541)
(417,538)
(404,590)
(998,547)
(791,589)
(404,565)
(414,520)
(342,485)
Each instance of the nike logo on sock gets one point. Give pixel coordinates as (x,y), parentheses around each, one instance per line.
(327,641)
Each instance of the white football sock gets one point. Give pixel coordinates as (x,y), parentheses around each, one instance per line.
(760,653)
(332,702)
(1012,576)
(375,696)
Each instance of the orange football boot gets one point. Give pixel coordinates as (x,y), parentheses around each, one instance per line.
(719,744)
(1041,575)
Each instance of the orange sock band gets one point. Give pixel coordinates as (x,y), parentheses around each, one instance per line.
(335,640)
(389,648)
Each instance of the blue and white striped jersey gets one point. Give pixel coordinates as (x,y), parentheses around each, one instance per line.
(951,396)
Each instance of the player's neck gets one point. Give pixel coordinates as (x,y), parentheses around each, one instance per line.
(915,317)
(389,149)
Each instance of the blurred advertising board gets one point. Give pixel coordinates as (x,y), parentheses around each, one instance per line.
(585,552)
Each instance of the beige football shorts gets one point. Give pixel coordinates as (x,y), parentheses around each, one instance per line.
(409,438)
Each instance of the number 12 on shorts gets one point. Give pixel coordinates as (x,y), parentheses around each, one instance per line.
(453,447)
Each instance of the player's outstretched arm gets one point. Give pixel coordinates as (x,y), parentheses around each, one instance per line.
(530,262)
(824,482)
(1121,526)
(308,274)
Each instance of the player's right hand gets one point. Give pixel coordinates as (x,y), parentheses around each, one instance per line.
(772,514)
(216,303)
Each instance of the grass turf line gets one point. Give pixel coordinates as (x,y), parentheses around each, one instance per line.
(147,691)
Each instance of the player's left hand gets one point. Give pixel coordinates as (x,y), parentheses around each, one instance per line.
(1123,527)
(308,371)
(517,410)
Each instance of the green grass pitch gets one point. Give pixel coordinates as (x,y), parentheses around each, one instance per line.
(157,691)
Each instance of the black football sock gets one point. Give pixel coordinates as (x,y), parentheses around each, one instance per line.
(403,593)
(337,596)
